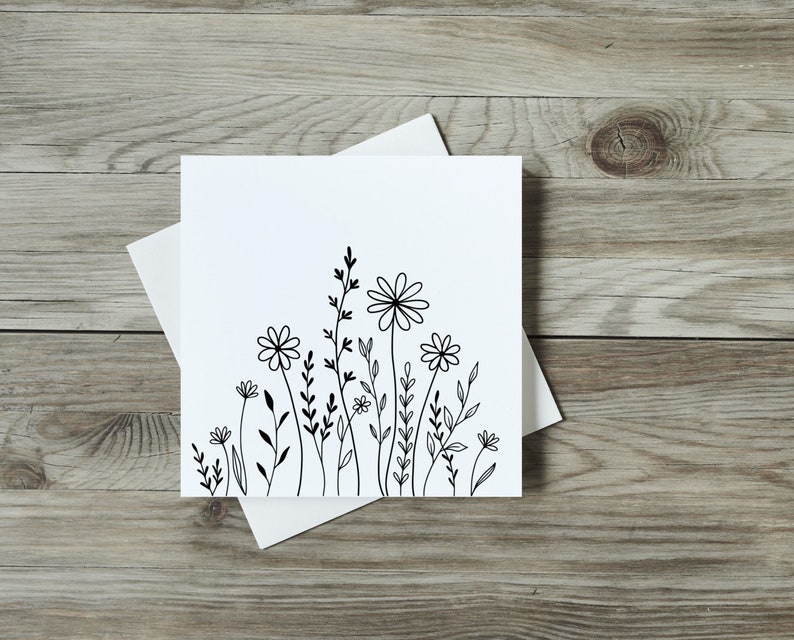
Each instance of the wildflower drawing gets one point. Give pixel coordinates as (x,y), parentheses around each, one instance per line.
(386,407)
(398,307)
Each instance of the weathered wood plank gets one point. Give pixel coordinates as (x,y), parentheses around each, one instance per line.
(96,213)
(642,416)
(639,297)
(692,138)
(311,55)
(384,603)
(618,8)
(712,537)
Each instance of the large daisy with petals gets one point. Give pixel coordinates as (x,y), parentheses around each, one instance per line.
(441,353)
(278,349)
(397,304)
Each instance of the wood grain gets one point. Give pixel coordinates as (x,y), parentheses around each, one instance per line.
(224,54)
(101,213)
(576,8)
(126,133)
(643,415)
(678,272)
(657,144)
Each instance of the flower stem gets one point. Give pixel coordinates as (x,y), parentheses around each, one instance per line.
(320,455)
(474,466)
(228,468)
(394,424)
(337,354)
(298,427)
(244,476)
(416,438)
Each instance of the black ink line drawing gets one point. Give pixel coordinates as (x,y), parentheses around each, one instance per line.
(373,368)
(220,436)
(272,442)
(405,431)
(444,445)
(440,355)
(487,441)
(246,390)
(397,306)
(204,470)
(349,283)
(279,350)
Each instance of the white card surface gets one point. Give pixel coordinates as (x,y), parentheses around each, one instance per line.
(157,259)
(360,338)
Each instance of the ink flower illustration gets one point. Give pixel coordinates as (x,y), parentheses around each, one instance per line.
(488,440)
(247,390)
(398,303)
(430,406)
(220,435)
(278,349)
(361,405)
(441,353)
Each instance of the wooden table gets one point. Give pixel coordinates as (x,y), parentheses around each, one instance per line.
(658,144)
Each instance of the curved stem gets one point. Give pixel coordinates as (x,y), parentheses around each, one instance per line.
(275,453)
(416,437)
(427,477)
(394,424)
(243,473)
(476,460)
(320,455)
(341,388)
(228,468)
(298,427)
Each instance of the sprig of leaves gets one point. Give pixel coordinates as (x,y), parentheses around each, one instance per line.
(341,345)
(204,471)
(278,458)
(405,431)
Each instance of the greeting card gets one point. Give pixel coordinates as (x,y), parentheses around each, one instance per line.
(350,326)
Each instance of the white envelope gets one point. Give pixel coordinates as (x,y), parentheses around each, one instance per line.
(157,259)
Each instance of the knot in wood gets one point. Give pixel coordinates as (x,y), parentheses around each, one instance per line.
(214,511)
(21,472)
(629,146)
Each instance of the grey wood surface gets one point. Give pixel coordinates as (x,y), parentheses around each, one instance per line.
(658,144)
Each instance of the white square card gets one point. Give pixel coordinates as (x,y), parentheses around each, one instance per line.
(392,284)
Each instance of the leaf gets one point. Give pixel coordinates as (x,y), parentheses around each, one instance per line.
(366,388)
(237,467)
(369,345)
(431,446)
(474,372)
(263,472)
(375,369)
(266,438)
(362,348)
(457,447)
(460,391)
(382,401)
(308,429)
(329,364)
(472,411)
(282,418)
(486,474)
(268,400)
(447,418)
(341,429)
(372,431)
(386,433)
(326,435)
(346,459)
(283,456)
